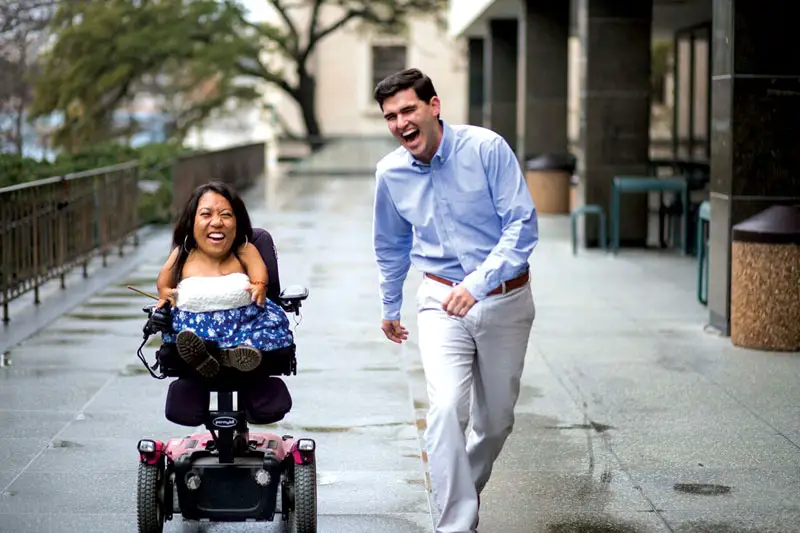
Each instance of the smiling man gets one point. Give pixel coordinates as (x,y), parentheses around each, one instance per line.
(452,201)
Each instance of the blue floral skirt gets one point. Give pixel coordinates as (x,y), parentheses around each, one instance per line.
(266,328)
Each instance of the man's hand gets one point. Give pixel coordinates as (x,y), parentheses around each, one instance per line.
(458,302)
(394,331)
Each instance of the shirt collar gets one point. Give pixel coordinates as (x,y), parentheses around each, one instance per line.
(444,147)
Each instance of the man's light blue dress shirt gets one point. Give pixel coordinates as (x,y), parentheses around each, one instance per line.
(467,216)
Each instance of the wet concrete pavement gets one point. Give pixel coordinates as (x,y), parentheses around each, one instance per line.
(632,418)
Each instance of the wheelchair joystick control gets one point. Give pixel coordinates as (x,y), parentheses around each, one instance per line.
(159,321)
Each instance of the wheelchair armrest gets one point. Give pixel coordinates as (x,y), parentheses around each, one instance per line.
(291,297)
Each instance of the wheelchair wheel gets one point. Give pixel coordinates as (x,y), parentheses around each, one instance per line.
(150,497)
(304,517)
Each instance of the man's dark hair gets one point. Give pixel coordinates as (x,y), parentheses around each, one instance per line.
(400,81)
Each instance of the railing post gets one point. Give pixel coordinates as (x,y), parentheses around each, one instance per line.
(36,246)
(63,233)
(5,253)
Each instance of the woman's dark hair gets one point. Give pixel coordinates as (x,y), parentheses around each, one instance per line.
(400,81)
(183,235)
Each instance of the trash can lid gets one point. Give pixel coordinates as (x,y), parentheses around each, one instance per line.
(564,162)
(779,224)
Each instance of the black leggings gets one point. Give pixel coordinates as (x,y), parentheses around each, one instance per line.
(263,396)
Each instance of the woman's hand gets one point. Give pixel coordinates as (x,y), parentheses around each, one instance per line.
(258,291)
(167,295)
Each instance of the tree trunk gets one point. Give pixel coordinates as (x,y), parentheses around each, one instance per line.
(18,126)
(306,99)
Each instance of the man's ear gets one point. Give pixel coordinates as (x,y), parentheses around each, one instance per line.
(436,104)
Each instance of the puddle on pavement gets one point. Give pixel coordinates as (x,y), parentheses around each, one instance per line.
(601,525)
(140,282)
(41,340)
(423,456)
(340,429)
(100,304)
(133,370)
(699,526)
(105,316)
(116,294)
(32,372)
(64,444)
(323,429)
(704,489)
(596,426)
(75,331)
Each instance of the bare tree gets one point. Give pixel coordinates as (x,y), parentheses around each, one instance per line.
(22,32)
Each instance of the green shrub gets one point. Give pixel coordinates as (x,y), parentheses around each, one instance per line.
(156,167)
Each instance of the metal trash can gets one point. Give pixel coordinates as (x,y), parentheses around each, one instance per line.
(765,280)
(548,177)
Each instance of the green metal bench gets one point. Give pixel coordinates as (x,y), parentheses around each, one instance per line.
(593,210)
(645,184)
(703,215)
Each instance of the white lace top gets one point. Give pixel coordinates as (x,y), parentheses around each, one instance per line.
(199,294)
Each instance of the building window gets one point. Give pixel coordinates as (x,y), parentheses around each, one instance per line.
(386,60)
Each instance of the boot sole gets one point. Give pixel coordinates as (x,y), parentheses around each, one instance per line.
(242,358)
(192,349)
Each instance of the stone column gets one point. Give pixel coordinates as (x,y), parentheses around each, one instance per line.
(500,63)
(615,38)
(476,83)
(755,112)
(543,78)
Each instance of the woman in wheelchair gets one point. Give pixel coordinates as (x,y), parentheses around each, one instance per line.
(216,280)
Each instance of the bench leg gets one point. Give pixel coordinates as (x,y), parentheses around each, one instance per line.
(707,269)
(614,222)
(603,241)
(700,259)
(574,225)
(702,269)
(685,217)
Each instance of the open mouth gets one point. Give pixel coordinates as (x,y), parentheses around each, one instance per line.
(410,135)
(216,237)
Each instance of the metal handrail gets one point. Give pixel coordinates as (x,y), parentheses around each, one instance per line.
(238,166)
(50,226)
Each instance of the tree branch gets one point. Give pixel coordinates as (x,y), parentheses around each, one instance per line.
(283,11)
(260,71)
(315,37)
(312,26)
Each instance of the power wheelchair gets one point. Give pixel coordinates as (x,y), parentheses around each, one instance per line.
(228,474)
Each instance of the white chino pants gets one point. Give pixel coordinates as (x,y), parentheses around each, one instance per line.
(482,356)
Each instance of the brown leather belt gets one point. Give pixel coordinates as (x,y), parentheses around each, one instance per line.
(504,287)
